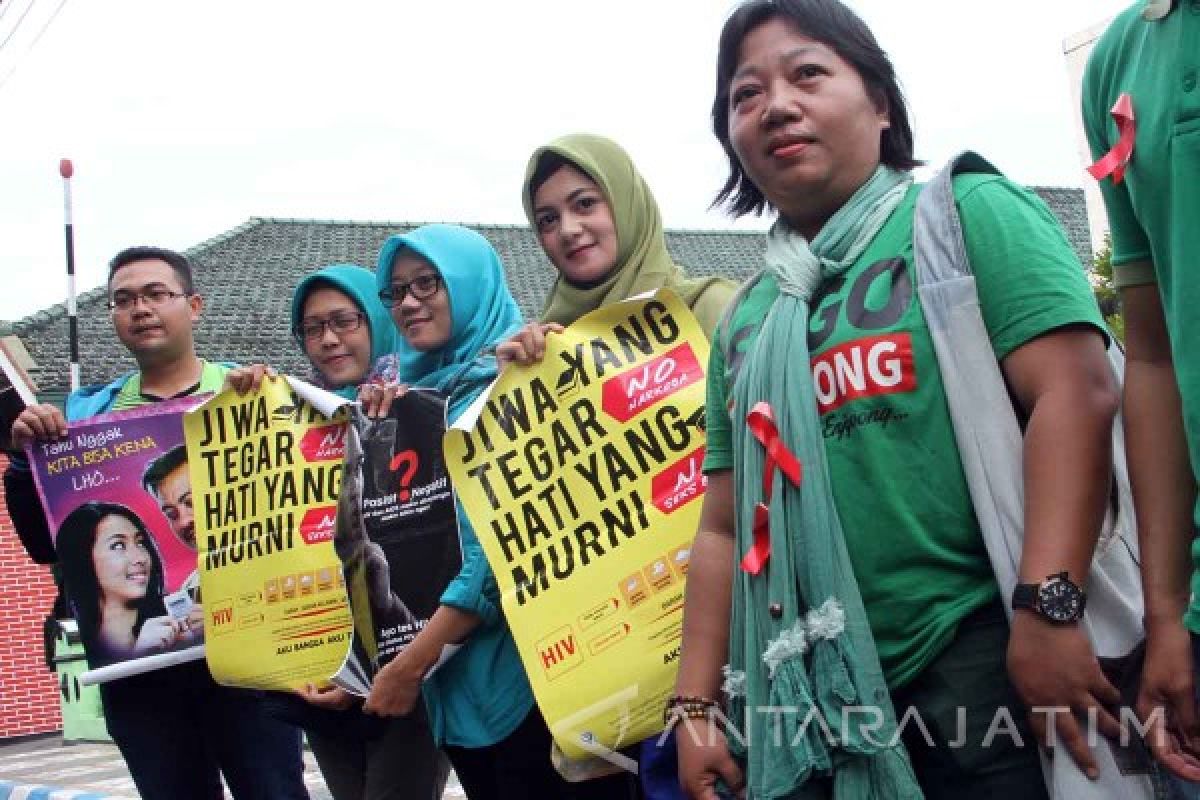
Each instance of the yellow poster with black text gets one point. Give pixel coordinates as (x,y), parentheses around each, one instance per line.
(266,468)
(582,478)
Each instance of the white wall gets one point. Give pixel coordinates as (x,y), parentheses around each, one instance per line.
(1076,49)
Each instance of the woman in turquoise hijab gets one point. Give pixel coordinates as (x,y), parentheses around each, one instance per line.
(342,327)
(445,285)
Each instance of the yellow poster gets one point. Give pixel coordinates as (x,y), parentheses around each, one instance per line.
(582,479)
(266,468)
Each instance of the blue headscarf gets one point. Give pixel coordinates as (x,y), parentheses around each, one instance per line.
(482,311)
(358,284)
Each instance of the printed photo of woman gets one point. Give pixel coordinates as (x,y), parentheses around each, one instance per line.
(115,583)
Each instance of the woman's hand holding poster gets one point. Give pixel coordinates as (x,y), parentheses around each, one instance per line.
(266,469)
(582,477)
(118,499)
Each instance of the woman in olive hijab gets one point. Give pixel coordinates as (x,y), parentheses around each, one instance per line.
(598,223)
(596,219)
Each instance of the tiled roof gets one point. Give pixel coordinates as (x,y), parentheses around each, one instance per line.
(246,276)
(1070,207)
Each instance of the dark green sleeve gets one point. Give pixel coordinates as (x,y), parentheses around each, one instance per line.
(718,454)
(1028,278)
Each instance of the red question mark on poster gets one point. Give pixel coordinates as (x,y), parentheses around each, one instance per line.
(406,464)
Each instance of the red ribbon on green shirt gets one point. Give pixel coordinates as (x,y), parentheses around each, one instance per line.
(761,421)
(1114,161)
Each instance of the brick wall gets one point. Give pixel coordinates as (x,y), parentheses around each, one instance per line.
(28,692)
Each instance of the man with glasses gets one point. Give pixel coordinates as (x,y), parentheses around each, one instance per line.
(176,728)
(166,479)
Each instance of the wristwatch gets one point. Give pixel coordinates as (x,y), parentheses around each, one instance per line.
(1057,598)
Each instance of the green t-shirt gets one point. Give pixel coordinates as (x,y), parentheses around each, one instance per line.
(212,378)
(1153,213)
(898,483)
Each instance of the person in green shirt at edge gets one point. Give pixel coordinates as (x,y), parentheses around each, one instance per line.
(178,731)
(339,322)
(1151,52)
(810,115)
(598,223)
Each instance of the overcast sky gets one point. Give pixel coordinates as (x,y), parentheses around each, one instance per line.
(185,119)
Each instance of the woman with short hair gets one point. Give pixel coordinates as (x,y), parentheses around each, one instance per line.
(839,563)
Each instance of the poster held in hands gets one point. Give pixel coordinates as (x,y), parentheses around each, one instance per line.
(128,567)
(582,477)
(397,531)
(266,468)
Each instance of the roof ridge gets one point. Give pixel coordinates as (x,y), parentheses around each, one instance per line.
(59,310)
(715,231)
(56,311)
(225,236)
(487,225)
(360,223)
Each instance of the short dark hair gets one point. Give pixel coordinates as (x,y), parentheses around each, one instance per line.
(548,163)
(158,469)
(178,262)
(833,24)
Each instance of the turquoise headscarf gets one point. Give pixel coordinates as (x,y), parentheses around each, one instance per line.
(358,284)
(483,312)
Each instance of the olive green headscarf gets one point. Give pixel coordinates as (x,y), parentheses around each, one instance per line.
(643,263)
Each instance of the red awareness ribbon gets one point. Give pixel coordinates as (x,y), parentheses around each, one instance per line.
(761,421)
(1114,161)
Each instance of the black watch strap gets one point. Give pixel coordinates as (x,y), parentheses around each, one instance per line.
(1025,596)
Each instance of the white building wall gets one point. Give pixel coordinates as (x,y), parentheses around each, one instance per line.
(1077,48)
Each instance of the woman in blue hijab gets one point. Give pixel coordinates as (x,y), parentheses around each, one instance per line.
(344,330)
(445,285)
(341,326)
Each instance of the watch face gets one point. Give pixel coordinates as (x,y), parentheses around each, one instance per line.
(1060,600)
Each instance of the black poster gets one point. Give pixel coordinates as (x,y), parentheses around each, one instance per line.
(397,529)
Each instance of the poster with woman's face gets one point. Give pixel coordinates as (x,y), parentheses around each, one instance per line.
(118,503)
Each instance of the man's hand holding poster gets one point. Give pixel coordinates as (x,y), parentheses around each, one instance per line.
(117,497)
(397,530)
(582,477)
(266,470)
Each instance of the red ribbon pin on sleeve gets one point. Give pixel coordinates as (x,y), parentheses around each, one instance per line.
(1114,161)
(761,422)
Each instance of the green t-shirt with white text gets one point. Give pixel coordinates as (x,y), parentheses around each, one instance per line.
(898,483)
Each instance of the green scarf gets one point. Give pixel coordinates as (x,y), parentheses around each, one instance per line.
(818,656)
(643,263)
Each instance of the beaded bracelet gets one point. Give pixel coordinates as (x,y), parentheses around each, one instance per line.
(688,707)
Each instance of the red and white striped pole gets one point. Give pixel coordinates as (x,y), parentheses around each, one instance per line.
(66,170)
